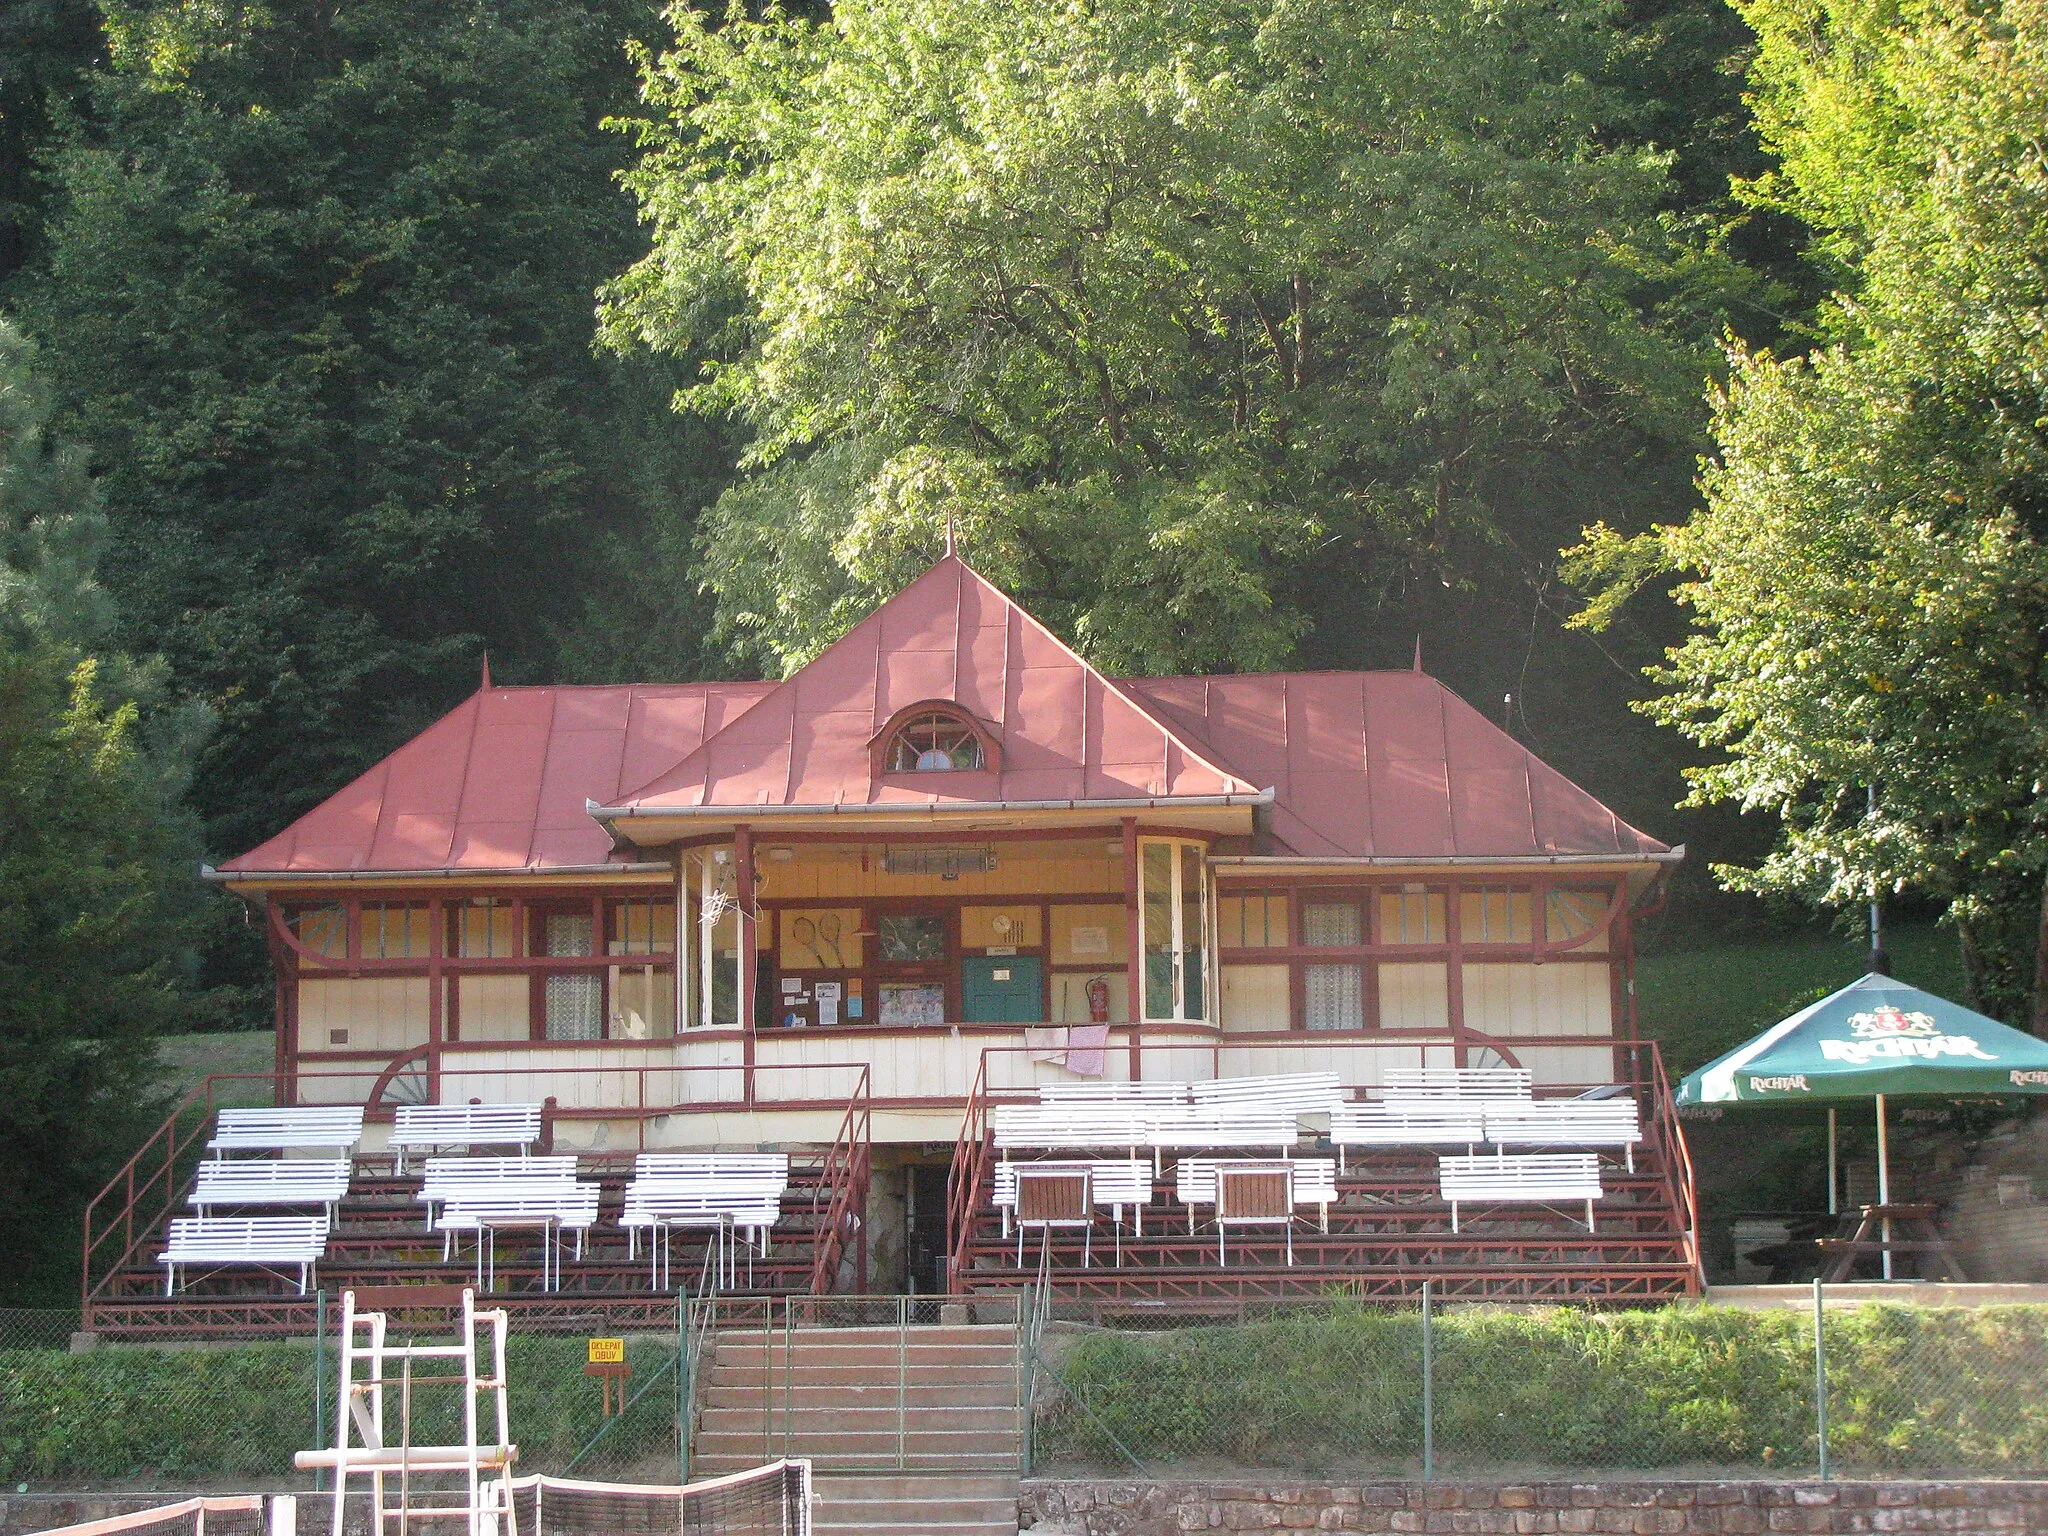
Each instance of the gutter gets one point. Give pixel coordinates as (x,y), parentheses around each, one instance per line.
(208,872)
(1377,861)
(890,808)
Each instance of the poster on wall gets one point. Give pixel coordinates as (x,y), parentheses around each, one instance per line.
(912,1004)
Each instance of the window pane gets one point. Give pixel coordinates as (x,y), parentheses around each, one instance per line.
(1156,886)
(569,933)
(322,929)
(573,1006)
(1411,917)
(914,939)
(1495,915)
(1194,933)
(1330,922)
(1336,996)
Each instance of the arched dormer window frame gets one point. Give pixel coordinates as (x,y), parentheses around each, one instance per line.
(913,719)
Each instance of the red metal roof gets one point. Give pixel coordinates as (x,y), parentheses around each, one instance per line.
(1389,765)
(1066,732)
(1361,764)
(501,781)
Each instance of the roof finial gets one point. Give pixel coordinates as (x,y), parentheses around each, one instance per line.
(1418,650)
(949,535)
(486,686)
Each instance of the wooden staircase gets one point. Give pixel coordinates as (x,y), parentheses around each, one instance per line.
(911,1430)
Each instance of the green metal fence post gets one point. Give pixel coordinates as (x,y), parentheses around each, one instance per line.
(1820,1380)
(1428,1390)
(682,1385)
(319,1383)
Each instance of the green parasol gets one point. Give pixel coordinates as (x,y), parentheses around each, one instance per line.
(1876,1038)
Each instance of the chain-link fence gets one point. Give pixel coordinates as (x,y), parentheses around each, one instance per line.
(233,1413)
(1491,1393)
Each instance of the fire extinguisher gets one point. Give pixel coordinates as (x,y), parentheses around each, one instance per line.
(1098,1000)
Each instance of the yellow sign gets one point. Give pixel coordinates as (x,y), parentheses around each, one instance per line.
(607,1351)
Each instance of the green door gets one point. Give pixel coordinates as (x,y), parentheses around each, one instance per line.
(1002,989)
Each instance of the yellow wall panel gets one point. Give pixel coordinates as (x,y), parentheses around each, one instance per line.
(1255,997)
(376,1013)
(1416,996)
(494,1008)
(1091,935)
(1561,997)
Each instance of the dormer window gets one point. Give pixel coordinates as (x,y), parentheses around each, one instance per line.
(935,741)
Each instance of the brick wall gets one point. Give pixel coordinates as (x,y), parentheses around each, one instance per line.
(1114,1508)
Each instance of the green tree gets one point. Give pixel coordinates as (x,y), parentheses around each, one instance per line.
(1197,319)
(1866,576)
(318,290)
(99,905)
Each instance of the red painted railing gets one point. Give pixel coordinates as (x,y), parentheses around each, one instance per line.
(1638,1064)
(841,1205)
(133,1207)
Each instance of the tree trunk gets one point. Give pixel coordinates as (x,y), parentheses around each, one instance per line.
(2039,1022)
(1973,965)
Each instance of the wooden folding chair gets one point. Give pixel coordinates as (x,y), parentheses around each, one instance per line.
(1051,1199)
(1254,1194)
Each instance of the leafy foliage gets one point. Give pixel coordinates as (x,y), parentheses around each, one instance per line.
(1911,1388)
(1162,306)
(98,910)
(318,290)
(1866,578)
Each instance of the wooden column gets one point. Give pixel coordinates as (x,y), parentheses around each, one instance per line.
(437,944)
(1134,956)
(743,931)
(1454,979)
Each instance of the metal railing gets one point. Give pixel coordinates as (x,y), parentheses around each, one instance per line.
(135,1203)
(1638,1065)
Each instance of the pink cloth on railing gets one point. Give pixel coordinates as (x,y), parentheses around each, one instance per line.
(1086,1045)
(1046,1043)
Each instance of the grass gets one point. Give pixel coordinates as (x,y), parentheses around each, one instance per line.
(1698,1002)
(1912,1390)
(188,1060)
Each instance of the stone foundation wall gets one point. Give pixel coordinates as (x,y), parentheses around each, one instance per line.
(1116,1508)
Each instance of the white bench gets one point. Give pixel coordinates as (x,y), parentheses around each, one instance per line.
(281,1181)
(571,1208)
(1090,1092)
(728,1191)
(448,1178)
(1422,1123)
(1295,1093)
(1111,1183)
(1567,1123)
(1210,1128)
(463,1125)
(1069,1127)
(339,1126)
(1543,1178)
(267,1241)
(1490,1083)
(1248,1192)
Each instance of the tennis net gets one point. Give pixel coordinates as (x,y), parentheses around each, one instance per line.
(772,1500)
(234,1515)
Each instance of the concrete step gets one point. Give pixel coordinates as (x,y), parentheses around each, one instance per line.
(877,1418)
(725,1377)
(868,1448)
(804,1394)
(878,1356)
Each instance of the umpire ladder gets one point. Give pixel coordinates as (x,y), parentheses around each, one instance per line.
(369,1367)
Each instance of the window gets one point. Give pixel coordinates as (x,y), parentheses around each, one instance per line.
(1173,907)
(1252,922)
(1412,915)
(1336,996)
(322,929)
(935,741)
(393,930)
(642,927)
(1494,915)
(574,1002)
(1328,924)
